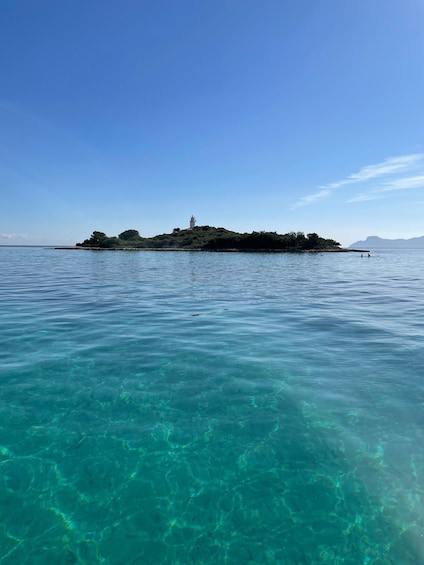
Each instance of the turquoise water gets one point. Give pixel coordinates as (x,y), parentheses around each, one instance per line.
(194,408)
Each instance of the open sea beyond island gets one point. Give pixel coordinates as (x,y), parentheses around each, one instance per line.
(203,408)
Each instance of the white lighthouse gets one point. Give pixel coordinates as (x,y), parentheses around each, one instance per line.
(192,222)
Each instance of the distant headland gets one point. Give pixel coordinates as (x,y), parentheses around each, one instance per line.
(375,242)
(207,238)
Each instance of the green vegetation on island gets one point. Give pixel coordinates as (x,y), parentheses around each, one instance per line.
(206,238)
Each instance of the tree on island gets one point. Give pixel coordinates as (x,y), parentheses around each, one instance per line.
(97,238)
(129,235)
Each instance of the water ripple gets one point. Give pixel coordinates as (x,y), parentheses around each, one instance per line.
(211,408)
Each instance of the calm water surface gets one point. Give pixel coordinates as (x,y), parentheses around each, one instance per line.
(194,408)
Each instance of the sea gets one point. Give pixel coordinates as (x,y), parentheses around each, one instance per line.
(211,408)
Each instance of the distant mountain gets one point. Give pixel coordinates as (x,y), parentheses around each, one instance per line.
(375,242)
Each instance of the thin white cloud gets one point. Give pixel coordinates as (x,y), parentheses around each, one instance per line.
(386,167)
(392,166)
(311,198)
(364,198)
(403,184)
(13,236)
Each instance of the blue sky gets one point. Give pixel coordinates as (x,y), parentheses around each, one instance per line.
(251,115)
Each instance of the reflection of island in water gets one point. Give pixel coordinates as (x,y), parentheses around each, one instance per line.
(206,238)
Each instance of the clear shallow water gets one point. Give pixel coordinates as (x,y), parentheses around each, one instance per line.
(162,408)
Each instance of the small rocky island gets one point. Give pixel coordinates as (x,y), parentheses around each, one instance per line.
(206,238)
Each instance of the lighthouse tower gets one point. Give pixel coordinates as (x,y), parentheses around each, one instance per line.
(192,222)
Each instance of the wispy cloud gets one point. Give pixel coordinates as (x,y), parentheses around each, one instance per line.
(13,236)
(387,167)
(403,184)
(364,198)
(390,167)
(311,198)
